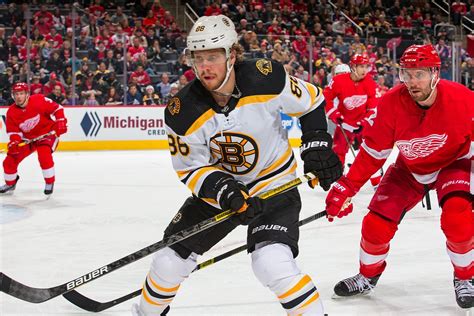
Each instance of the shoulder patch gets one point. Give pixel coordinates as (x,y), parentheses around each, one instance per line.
(174,105)
(264,66)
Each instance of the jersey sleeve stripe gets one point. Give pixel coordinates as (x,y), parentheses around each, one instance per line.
(252,99)
(195,182)
(200,121)
(383,154)
(277,163)
(316,100)
(258,188)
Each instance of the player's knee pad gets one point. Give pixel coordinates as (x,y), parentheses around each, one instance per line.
(272,263)
(457,221)
(169,267)
(378,230)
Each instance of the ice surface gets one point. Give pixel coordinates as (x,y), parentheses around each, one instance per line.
(107,205)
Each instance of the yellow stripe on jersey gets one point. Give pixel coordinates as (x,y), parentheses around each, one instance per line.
(262,185)
(182,174)
(200,121)
(277,163)
(198,174)
(304,280)
(315,100)
(255,99)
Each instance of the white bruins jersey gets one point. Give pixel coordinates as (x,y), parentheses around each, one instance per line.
(245,139)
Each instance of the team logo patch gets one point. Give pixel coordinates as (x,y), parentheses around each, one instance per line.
(421,147)
(264,66)
(236,152)
(177,218)
(355,101)
(29,124)
(174,105)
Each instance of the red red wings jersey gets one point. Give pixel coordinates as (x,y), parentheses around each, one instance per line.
(34,120)
(356,99)
(428,139)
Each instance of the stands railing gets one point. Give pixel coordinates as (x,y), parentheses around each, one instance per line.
(358,28)
(191,15)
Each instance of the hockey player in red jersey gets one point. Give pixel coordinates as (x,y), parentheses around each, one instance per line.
(430,121)
(28,118)
(356,93)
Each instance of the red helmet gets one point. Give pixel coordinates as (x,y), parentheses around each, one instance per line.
(358,59)
(20,86)
(420,56)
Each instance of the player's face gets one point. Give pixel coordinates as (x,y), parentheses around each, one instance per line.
(360,71)
(418,83)
(211,67)
(20,97)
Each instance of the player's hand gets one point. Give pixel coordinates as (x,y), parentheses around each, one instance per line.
(60,126)
(13,145)
(319,158)
(233,195)
(336,117)
(338,201)
(360,126)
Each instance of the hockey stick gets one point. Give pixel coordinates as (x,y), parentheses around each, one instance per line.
(29,141)
(347,140)
(39,295)
(91,305)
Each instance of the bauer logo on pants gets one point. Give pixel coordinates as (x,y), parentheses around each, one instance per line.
(91,124)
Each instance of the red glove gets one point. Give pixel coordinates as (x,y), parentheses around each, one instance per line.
(60,126)
(336,117)
(338,201)
(13,145)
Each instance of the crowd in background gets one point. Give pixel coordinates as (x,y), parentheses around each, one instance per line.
(132,52)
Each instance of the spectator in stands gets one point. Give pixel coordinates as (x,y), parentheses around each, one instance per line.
(212,9)
(180,41)
(150,97)
(120,35)
(119,16)
(444,52)
(18,39)
(150,36)
(174,89)
(157,9)
(97,9)
(57,96)
(339,26)
(113,97)
(43,13)
(141,76)
(458,9)
(164,87)
(67,75)
(23,53)
(263,52)
(72,100)
(302,74)
(59,21)
(136,49)
(53,81)
(279,54)
(36,86)
(88,88)
(182,82)
(381,87)
(138,33)
(134,97)
(43,26)
(167,41)
(90,99)
(150,19)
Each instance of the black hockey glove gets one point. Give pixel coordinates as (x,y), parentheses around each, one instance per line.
(318,157)
(232,194)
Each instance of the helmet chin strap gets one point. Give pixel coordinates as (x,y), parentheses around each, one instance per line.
(227,76)
(433,85)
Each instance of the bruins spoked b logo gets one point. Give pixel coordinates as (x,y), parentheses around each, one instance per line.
(237,153)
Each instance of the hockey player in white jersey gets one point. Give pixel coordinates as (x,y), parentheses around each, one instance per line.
(227,143)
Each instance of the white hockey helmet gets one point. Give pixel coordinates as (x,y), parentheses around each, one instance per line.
(342,69)
(211,32)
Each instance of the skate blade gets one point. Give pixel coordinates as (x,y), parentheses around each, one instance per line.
(366,294)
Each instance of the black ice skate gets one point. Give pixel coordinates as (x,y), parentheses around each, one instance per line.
(464,290)
(48,188)
(356,285)
(9,188)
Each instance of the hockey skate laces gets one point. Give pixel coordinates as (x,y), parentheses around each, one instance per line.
(359,283)
(464,288)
